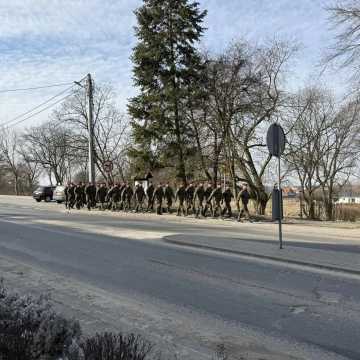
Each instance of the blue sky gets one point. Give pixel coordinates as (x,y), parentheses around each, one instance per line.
(54,41)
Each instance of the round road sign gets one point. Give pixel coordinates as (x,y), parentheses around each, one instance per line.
(275,140)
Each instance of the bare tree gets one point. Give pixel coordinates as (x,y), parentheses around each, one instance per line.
(340,150)
(322,146)
(31,168)
(262,105)
(111,135)
(345,53)
(50,145)
(242,95)
(307,120)
(9,145)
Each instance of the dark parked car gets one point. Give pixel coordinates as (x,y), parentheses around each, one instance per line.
(44,193)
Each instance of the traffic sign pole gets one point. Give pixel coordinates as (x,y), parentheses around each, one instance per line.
(276,144)
(280,205)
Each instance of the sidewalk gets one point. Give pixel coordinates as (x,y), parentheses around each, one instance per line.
(344,258)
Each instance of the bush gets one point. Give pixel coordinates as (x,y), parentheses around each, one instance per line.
(347,212)
(30,329)
(109,346)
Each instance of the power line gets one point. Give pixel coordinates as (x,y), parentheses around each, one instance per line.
(40,111)
(36,107)
(34,88)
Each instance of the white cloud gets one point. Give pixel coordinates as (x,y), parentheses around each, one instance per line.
(52,41)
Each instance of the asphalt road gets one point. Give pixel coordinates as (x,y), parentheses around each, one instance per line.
(310,312)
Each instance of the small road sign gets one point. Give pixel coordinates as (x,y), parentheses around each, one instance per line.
(108,166)
(275,140)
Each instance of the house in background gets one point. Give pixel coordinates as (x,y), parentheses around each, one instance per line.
(350,200)
(290,192)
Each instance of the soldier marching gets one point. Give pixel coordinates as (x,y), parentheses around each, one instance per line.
(198,199)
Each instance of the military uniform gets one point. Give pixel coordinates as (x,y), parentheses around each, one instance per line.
(101,196)
(72,198)
(150,196)
(129,193)
(66,195)
(90,192)
(139,197)
(190,190)
(121,202)
(114,197)
(79,196)
(227,197)
(158,197)
(199,196)
(169,196)
(216,197)
(243,199)
(181,196)
(208,205)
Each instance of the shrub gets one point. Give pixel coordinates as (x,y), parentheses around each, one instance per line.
(347,212)
(30,329)
(110,346)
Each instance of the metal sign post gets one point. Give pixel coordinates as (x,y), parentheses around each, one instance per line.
(276,145)
(280,205)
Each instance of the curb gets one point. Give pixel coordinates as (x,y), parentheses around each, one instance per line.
(265,257)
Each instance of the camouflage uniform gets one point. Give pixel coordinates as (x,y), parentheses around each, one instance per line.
(227,197)
(101,196)
(150,196)
(158,197)
(190,190)
(181,196)
(243,199)
(139,197)
(216,196)
(169,196)
(199,196)
(208,205)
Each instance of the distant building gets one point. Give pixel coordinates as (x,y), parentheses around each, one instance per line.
(349,200)
(290,192)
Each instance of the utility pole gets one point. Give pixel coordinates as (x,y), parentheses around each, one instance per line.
(91,128)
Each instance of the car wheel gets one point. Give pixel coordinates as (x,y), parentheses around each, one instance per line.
(38,200)
(59,201)
(48,199)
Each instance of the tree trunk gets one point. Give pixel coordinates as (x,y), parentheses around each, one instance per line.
(261,202)
(16,185)
(329,210)
(311,205)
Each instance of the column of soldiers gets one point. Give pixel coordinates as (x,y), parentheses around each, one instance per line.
(194,199)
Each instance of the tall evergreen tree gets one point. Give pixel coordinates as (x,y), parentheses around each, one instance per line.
(167,69)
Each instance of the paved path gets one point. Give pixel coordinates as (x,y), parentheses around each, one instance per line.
(122,272)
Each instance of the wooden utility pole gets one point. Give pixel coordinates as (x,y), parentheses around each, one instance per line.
(91,128)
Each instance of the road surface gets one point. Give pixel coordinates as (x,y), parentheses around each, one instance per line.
(118,273)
